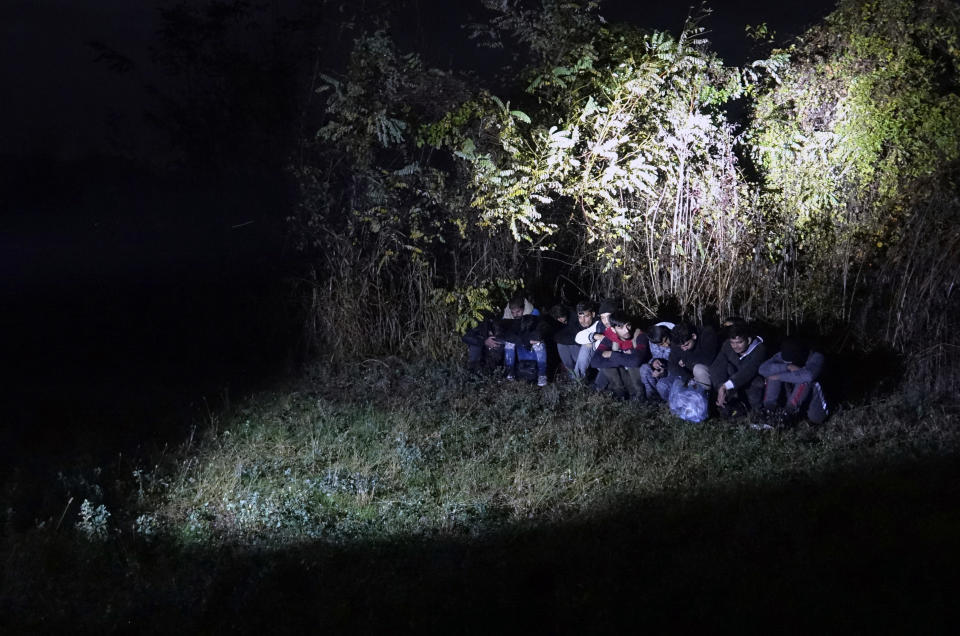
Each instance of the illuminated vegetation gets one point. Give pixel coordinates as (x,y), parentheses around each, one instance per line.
(616,165)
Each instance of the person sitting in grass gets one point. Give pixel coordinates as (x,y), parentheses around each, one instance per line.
(575,356)
(592,336)
(485,341)
(524,340)
(623,349)
(484,345)
(793,371)
(692,352)
(735,371)
(659,343)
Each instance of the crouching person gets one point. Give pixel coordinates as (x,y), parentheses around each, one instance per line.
(574,355)
(793,371)
(524,340)
(484,346)
(735,371)
(691,354)
(622,351)
(655,380)
(655,372)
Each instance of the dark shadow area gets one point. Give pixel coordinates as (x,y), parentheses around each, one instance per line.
(871,548)
(136,302)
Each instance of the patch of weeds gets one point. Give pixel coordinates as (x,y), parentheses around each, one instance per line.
(93,522)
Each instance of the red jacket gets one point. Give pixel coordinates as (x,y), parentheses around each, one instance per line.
(610,337)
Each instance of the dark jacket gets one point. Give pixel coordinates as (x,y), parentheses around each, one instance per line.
(567,334)
(704,351)
(739,370)
(489,326)
(522,330)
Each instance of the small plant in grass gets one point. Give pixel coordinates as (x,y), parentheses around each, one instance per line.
(93,521)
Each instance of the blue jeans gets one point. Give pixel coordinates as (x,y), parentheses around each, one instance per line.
(512,352)
(654,387)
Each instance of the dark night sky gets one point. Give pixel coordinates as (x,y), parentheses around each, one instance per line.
(59,103)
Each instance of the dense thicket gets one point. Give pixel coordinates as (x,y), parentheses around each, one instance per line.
(614,164)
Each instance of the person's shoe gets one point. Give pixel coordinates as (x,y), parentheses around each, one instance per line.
(542,380)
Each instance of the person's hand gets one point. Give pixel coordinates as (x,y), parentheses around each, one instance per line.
(615,346)
(722,396)
(597,336)
(681,363)
(607,354)
(533,343)
(491,343)
(793,367)
(636,334)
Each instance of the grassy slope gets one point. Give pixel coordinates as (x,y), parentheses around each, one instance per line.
(402,496)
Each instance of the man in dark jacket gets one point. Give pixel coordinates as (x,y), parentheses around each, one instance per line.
(691,353)
(735,371)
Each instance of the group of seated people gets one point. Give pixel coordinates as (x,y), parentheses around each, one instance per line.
(729,369)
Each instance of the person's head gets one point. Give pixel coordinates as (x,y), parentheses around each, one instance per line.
(516,305)
(794,352)
(730,323)
(585,314)
(739,335)
(607,307)
(659,367)
(684,336)
(659,335)
(620,323)
(559,313)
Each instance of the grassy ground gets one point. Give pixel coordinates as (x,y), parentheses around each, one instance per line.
(395,496)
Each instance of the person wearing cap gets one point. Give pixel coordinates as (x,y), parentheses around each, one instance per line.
(794,371)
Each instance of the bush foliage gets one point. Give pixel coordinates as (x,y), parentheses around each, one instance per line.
(612,161)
